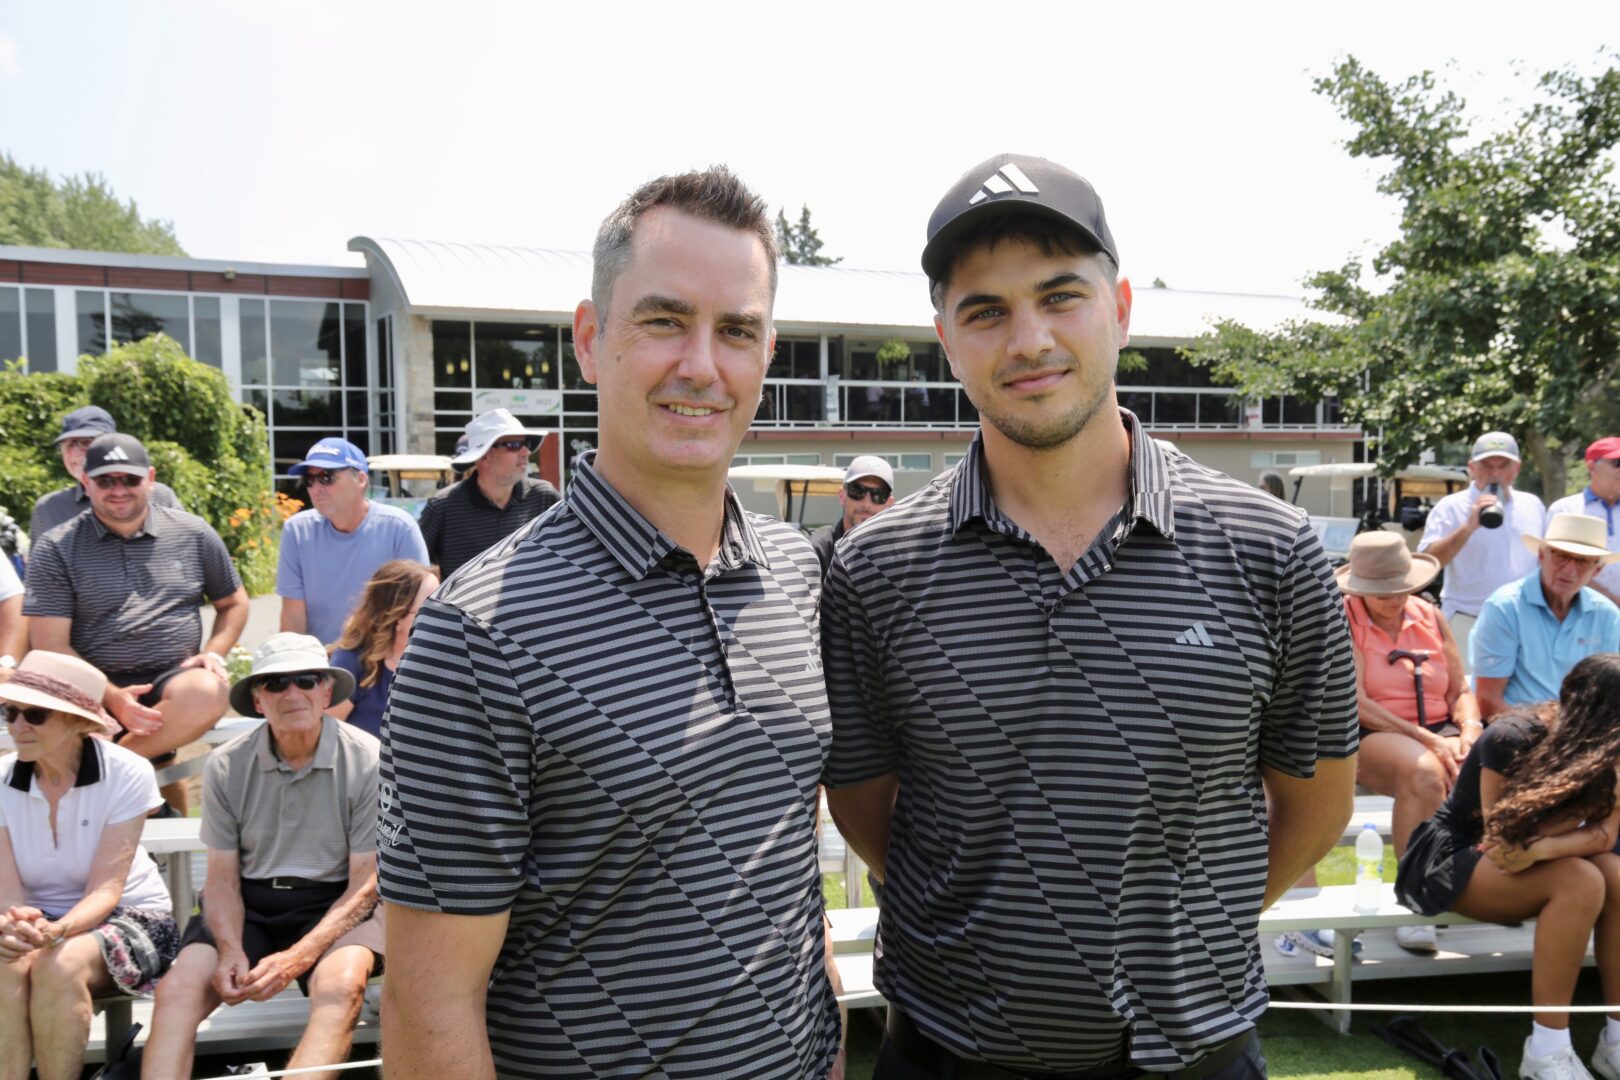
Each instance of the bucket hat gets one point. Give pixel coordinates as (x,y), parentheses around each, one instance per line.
(1575,534)
(1381,565)
(47,680)
(489,428)
(289,654)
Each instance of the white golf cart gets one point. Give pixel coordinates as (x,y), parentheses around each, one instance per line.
(1402,504)
(788,481)
(406,480)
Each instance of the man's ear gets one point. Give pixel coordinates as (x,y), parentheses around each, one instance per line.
(586,330)
(939,332)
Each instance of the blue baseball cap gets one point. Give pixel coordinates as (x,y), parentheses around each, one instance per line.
(90,422)
(333,453)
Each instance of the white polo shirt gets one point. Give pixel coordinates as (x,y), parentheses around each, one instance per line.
(1492,557)
(113,786)
(1584,502)
(10,584)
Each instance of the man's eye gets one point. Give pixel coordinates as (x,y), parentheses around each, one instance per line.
(984,313)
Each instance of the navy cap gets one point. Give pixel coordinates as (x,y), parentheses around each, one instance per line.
(90,422)
(332,453)
(1013,184)
(116,454)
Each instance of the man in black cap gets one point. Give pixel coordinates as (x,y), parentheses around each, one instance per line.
(120,587)
(80,428)
(1064,679)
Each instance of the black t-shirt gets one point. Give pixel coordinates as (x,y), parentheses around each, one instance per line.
(1498,749)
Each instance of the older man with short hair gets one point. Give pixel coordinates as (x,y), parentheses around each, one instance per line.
(330,551)
(1600,499)
(1531,632)
(867,491)
(290,823)
(80,428)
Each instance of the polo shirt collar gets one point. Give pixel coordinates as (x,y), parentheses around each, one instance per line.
(635,543)
(82,494)
(325,747)
(22,772)
(1534,593)
(149,527)
(475,494)
(1148,481)
(1594,497)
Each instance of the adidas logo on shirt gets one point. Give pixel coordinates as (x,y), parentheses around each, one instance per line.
(1195,635)
(1003,180)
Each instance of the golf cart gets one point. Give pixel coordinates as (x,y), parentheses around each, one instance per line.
(406,480)
(1401,505)
(789,481)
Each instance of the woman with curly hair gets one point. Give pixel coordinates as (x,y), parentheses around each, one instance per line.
(375,635)
(1529,833)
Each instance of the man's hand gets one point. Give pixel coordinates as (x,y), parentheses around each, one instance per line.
(125,706)
(272,975)
(230,978)
(208,662)
(1480,504)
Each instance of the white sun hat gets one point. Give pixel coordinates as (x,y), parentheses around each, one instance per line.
(490,428)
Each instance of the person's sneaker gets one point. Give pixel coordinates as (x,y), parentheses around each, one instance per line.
(1564,1065)
(1317,942)
(1606,1059)
(1417,938)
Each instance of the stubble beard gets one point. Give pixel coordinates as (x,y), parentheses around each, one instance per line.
(1049,433)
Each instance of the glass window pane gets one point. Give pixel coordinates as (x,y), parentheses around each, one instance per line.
(444,442)
(929,404)
(385,354)
(452,353)
(41,307)
(1173,408)
(576,443)
(205,316)
(287,448)
(1139,402)
(11,343)
(459,400)
(515,356)
(304,345)
(580,403)
(361,438)
(805,403)
(308,408)
(140,315)
(359,410)
(259,399)
(255,345)
(873,404)
(966,414)
(1296,411)
(1225,410)
(1271,411)
(917,462)
(92,317)
(354,345)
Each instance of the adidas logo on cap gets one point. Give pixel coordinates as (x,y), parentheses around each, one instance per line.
(116,454)
(1005,179)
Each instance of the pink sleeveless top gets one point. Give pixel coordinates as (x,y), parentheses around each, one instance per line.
(1391,685)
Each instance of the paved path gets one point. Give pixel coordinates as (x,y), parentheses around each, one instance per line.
(264,619)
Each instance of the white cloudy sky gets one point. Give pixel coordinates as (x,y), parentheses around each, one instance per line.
(277,129)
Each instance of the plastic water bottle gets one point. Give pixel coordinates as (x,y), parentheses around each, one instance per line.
(1369,870)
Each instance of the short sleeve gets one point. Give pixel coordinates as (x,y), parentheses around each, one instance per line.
(864,744)
(363,812)
(1503,741)
(220,578)
(457,760)
(1493,647)
(10,584)
(289,572)
(1443,521)
(136,792)
(50,588)
(431,526)
(410,544)
(1311,713)
(221,831)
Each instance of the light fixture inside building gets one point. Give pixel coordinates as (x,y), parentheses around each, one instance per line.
(506,373)
(528,369)
(464,364)
(545,368)
(449,367)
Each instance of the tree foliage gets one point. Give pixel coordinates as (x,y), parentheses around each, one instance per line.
(79,212)
(800,243)
(1497,306)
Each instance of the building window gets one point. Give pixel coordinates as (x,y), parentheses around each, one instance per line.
(914,462)
(11,324)
(796,358)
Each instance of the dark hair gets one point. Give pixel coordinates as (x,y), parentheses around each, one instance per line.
(715,194)
(369,630)
(1570,770)
(1048,234)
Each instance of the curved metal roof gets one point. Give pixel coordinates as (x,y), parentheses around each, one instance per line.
(497,279)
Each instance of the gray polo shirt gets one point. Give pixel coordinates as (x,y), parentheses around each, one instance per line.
(62,506)
(133,600)
(293,824)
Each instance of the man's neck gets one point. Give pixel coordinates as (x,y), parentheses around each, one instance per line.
(1599,496)
(689,508)
(351,521)
(1088,473)
(499,494)
(296,748)
(1560,606)
(124,528)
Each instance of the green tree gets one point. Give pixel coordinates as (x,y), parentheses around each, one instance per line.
(800,243)
(79,212)
(1497,306)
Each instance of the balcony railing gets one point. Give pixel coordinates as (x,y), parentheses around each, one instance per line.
(794,403)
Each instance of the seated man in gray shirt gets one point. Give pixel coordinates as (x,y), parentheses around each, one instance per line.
(80,428)
(290,823)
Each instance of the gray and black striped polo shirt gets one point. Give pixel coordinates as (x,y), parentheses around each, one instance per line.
(622,749)
(133,599)
(1078,853)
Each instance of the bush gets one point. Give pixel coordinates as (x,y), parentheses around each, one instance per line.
(214,453)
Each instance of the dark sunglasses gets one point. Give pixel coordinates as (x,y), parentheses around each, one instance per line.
(108,481)
(856,492)
(30,716)
(314,477)
(277,684)
(512,446)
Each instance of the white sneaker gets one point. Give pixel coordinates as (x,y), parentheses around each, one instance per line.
(1420,939)
(1564,1065)
(1606,1059)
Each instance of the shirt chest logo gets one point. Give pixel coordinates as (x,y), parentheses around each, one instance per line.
(1196,636)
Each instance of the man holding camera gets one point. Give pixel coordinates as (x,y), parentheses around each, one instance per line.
(1475,533)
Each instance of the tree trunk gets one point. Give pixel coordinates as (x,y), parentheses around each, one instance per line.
(1554,465)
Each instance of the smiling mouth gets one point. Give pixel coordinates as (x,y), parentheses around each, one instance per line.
(691,410)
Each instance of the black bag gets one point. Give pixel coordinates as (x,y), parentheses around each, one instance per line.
(124,1061)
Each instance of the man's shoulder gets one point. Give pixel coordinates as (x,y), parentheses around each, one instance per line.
(778,536)
(392,518)
(50,499)
(243,747)
(1239,509)
(361,744)
(1509,595)
(62,535)
(1569,504)
(446,493)
(547,547)
(533,487)
(302,524)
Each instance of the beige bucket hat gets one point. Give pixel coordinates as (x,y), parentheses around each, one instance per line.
(289,654)
(1575,534)
(47,680)
(1381,565)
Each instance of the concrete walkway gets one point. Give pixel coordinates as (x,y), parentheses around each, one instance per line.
(264,619)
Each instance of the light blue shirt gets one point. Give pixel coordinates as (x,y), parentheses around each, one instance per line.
(327,569)
(1519,638)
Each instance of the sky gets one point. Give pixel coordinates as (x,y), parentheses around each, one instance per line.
(276,130)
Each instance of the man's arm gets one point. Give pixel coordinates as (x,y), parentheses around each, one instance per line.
(294,616)
(863,813)
(1491,695)
(433,999)
(1446,547)
(1307,817)
(230,619)
(272,974)
(13,626)
(223,914)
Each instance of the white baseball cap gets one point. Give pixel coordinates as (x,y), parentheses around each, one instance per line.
(1495,444)
(870,465)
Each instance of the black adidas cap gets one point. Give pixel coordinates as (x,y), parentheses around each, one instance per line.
(114,454)
(1013,184)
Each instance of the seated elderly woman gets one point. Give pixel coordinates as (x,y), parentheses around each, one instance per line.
(82,908)
(1418,717)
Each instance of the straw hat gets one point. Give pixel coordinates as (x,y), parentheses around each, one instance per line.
(1575,534)
(47,680)
(289,654)
(1381,565)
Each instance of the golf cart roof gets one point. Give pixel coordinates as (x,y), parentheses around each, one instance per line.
(773,473)
(1366,470)
(409,463)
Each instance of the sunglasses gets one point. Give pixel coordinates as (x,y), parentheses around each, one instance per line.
(317,478)
(35,716)
(857,492)
(108,481)
(277,684)
(512,446)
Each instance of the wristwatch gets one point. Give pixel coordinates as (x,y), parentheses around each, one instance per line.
(8,661)
(216,657)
